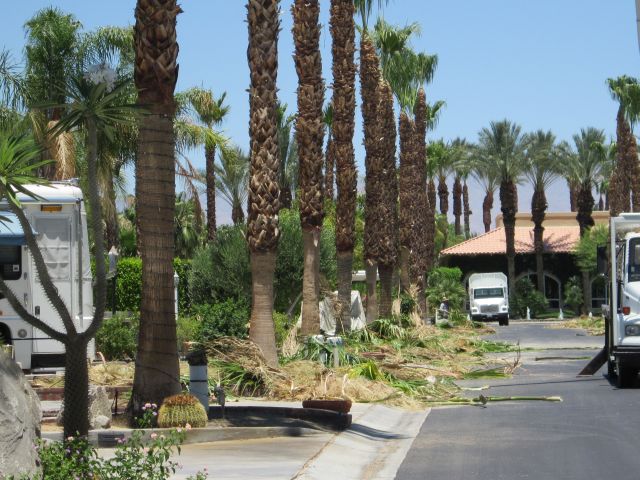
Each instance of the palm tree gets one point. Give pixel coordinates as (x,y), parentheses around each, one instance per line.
(342,27)
(430,214)
(188,226)
(233,180)
(388,248)
(330,154)
(625,180)
(541,170)
(264,190)
(459,158)
(502,145)
(444,167)
(209,112)
(584,167)
(487,175)
(310,140)
(369,85)
(288,152)
(157,373)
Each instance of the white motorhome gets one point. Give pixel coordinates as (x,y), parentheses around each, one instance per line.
(489,297)
(58,218)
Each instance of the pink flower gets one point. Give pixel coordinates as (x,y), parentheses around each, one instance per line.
(187,426)
(179,430)
(146,449)
(147,405)
(154,436)
(69,439)
(154,406)
(155,414)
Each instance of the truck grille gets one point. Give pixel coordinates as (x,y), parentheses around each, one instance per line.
(489,308)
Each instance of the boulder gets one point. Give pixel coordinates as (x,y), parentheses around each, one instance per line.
(99,408)
(20,417)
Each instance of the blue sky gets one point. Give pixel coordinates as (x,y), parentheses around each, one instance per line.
(542,63)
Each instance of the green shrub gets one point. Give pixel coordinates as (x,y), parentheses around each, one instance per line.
(446,282)
(225,319)
(526,295)
(573,293)
(129,285)
(117,337)
(283,324)
(407,303)
(188,329)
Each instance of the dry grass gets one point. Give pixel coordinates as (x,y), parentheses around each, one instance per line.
(594,325)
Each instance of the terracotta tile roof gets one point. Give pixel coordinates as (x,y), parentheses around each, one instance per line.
(556,240)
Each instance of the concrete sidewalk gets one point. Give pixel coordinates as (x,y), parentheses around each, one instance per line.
(372,448)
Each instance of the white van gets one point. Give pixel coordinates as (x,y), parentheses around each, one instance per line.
(58,218)
(489,297)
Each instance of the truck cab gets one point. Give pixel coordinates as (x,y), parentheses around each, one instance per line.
(489,297)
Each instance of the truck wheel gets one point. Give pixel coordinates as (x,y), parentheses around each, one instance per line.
(626,377)
(506,322)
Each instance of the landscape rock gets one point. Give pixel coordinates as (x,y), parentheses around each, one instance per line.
(99,408)
(20,417)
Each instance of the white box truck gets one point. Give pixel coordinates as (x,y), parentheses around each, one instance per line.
(58,218)
(489,297)
(621,264)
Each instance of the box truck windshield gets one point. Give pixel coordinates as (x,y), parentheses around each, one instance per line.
(634,260)
(488,293)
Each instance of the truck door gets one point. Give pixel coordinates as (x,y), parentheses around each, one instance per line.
(54,240)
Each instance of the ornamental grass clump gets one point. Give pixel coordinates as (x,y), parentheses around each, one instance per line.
(182,410)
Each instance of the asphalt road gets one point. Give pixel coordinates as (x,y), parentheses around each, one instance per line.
(592,434)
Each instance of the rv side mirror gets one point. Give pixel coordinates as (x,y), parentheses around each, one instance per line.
(602,260)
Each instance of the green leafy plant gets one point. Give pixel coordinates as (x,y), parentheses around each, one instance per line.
(446,282)
(526,295)
(224,319)
(182,410)
(573,293)
(117,337)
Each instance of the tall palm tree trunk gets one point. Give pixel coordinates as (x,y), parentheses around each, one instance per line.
(430,221)
(237,214)
(210,158)
(624,180)
(443,194)
(406,219)
(157,373)
(585,220)
(310,139)
(330,167)
(264,190)
(344,104)
(457,205)
(487,205)
(420,203)
(509,207)
(388,253)
(467,210)
(538,208)
(369,82)
(573,195)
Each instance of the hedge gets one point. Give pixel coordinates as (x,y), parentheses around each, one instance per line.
(129,285)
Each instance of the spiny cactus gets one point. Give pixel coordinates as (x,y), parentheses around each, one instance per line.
(180,410)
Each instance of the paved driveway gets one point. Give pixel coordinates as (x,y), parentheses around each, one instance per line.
(592,434)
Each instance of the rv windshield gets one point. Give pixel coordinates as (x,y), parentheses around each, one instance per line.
(488,293)
(634,260)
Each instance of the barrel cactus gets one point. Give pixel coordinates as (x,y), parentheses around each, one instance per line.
(180,410)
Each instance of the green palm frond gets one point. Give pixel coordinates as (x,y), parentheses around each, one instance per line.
(502,145)
(542,157)
(232,176)
(626,91)
(584,165)
(203,105)
(364,9)
(12,88)
(19,163)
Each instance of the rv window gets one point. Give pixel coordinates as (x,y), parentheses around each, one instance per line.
(54,235)
(634,260)
(488,293)
(10,262)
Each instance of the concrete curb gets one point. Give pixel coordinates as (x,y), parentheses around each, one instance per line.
(109,438)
